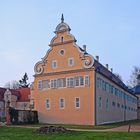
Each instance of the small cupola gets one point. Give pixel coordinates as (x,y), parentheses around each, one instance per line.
(62,27)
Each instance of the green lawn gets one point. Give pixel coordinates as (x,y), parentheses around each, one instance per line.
(106,126)
(7,133)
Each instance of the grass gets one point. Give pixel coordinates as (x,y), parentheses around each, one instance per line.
(105,126)
(9,133)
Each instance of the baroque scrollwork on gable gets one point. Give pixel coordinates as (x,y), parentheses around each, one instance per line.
(88,61)
(39,68)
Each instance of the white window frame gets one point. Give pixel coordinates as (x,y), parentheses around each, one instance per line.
(54,62)
(40,85)
(60,103)
(80,81)
(88,84)
(48,108)
(69,61)
(78,102)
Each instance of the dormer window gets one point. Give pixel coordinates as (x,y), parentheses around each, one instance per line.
(62,39)
(54,64)
(71,61)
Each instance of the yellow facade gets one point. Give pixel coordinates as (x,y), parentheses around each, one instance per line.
(65,89)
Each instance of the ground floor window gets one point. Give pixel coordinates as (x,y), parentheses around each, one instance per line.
(100,103)
(77,102)
(47,103)
(62,103)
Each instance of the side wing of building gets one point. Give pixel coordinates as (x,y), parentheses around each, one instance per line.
(114,102)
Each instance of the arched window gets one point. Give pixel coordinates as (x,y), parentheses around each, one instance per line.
(62,39)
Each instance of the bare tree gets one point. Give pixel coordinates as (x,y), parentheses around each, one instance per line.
(133,77)
(12,85)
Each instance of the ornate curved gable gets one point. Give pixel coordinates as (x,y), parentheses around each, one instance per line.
(64,54)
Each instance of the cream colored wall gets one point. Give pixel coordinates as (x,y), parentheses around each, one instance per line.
(113,114)
(69,115)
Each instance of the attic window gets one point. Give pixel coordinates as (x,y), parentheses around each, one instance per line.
(61,52)
(62,39)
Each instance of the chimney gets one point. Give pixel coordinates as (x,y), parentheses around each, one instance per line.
(107,66)
(84,47)
(111,70)
(97,58)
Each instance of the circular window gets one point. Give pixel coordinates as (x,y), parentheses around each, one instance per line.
(61,52)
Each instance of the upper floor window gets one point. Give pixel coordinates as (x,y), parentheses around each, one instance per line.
(54,64)
(48,104)
(81,81)
(77,102)
(61,52)
(71,61)
(77,83)
(62,103)
(39,84)
(62,39)
(87,80)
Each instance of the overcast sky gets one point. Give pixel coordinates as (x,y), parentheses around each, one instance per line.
(109,28)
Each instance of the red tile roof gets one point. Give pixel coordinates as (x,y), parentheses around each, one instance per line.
(24,94)
(13,91)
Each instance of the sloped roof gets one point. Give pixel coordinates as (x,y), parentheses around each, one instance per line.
(136,89)
(24,94)
(108,74)
(13,91)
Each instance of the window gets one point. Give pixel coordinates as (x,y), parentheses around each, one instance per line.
(118,105)
(54,64)
(71,61)
(39,84)
(55,83)
(47,104)
(59,83)
(61,103)
(86,80)
(68,82)
(61,52)
(77,102)
(62,39)
(71,82)
(77,81)
(100,103)
(47,84)
(52,83)
(113,104)
(81,81)
(107,104)
(64,82)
